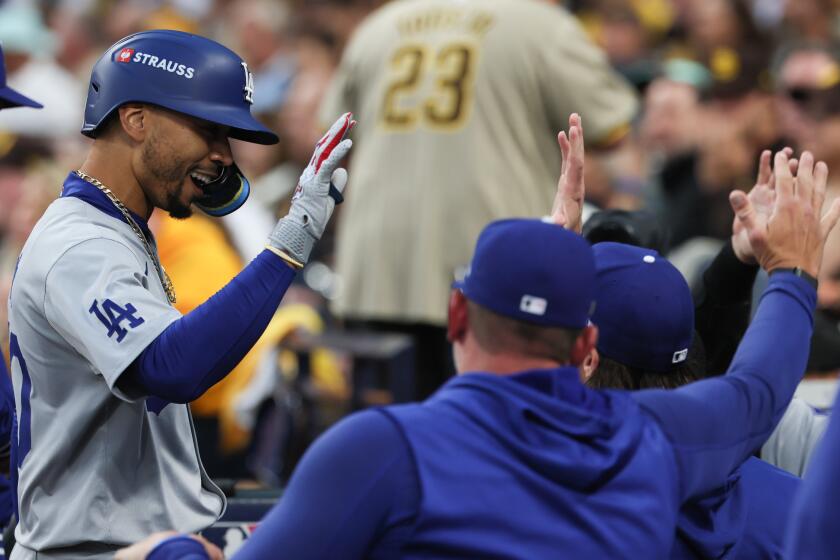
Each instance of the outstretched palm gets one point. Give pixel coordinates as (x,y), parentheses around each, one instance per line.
(567,210)
(761,197)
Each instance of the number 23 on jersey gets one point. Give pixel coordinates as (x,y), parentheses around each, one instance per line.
(449,68)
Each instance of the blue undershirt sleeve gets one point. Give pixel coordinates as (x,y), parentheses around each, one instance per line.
(715,424)
(196,351)
(814,527)
(355,494)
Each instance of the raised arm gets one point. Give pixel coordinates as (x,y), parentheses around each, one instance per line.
(715,424)
(199,349)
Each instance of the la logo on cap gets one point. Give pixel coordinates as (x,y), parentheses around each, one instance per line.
(125,55)
(533,305)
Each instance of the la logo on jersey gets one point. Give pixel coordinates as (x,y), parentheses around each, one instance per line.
(248,90)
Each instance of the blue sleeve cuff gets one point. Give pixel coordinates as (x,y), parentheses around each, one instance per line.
(799,288)
(179,547)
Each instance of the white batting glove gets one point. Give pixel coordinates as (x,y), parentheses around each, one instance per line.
(318,191)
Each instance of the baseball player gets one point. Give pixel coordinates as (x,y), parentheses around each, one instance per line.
(9,98)
(458,103)
(516,458)
(746,516)
(101,361)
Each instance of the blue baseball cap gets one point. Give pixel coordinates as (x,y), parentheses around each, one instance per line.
(9,97)
(645,314)
(532,271)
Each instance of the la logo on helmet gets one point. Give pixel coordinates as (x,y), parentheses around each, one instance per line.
(248,90)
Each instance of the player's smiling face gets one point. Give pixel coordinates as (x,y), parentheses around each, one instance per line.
(179,155)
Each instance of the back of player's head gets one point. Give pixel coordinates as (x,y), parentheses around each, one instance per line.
(527,280)
(179,71)
(645,313)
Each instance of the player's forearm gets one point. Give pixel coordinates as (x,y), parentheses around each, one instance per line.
(203,346)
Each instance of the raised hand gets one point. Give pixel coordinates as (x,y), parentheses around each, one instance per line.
(792,234)
(567,210)
(761,197)
(316,195)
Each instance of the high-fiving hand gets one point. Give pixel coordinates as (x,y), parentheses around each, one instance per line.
(316,195)
(567,210)
(762,196)
(786,230)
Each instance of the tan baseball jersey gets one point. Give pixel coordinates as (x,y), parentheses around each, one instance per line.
(458,104)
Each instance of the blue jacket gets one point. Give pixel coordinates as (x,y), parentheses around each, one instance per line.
(814,529)
(536,465)
(744,518)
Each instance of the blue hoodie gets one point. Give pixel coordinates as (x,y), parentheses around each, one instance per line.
(536,465)
(744,518)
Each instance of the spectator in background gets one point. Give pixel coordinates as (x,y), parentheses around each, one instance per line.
(807,77)
(458,105)
(708,127)
(814,20)
(260,28)
(29,47)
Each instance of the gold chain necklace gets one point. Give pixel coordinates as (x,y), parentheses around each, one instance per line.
(161,272)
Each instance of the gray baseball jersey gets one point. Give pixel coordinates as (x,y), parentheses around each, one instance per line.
(793,442)
(95,465)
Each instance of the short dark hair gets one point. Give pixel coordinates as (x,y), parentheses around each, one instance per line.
(496,333)
(611,374)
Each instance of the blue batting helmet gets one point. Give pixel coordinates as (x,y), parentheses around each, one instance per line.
(186,73)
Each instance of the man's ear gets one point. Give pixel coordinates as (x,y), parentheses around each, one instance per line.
(134,120)
(589,365)
(456,328)
(583,344)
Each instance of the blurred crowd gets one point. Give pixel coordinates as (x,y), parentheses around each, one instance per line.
(718,80)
